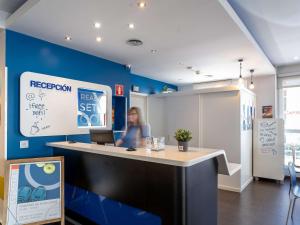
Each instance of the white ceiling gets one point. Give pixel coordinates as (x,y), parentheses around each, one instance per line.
(7,7)
(199,33)
(275,25)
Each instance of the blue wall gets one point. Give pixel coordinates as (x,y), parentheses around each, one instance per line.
(25,53)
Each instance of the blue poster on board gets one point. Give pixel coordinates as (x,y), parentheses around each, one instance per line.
(34,192)
(91,108)
(39,182)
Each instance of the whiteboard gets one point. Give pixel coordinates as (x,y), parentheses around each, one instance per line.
(51,105)
(35,190)
(268,155)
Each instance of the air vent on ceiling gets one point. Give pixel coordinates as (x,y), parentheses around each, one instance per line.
(134,42)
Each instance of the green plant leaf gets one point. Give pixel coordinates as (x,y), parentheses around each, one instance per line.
(183,135)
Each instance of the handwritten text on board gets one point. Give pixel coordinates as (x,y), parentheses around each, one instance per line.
(267,132)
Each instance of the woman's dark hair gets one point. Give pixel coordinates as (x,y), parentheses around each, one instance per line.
(136,110)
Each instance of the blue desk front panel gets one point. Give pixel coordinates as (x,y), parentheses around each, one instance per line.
(104,211)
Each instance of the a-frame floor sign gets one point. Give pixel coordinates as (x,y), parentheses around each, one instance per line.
(34,191)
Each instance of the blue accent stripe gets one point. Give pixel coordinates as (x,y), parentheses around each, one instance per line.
(104,211)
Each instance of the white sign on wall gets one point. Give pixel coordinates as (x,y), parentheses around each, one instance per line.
(268,149)
(51,105)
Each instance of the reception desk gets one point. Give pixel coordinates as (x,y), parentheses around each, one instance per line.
(179,187)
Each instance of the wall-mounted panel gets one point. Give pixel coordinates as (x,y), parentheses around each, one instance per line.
(53,105)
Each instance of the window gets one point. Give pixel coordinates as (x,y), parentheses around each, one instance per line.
(290,112)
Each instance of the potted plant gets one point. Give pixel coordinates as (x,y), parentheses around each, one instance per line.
(165,89)
(183,137)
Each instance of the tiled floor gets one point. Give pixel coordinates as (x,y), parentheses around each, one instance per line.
(261,203)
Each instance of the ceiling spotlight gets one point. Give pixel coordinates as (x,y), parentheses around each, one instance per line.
(97,25)
(153,51)
(296,57)
(68,38)
(251,86)
(98,39)
(197,72)
(189,67)
(141,4)
(131,26)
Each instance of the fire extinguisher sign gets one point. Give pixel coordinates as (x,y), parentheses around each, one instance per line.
(119,90)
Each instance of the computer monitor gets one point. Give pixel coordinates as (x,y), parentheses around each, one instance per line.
(102,137)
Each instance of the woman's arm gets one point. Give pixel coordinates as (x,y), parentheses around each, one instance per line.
(119,142)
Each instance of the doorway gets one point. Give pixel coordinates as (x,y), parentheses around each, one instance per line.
(141,101)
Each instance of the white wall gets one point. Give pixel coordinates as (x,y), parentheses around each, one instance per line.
(246,97)
(167,114)
(266,93)
(212,84)
(156,116)
(220,128)
(182,112)
(265,89)
(220,112)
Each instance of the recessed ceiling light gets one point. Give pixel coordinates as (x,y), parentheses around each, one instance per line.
(189,67)
(68,38)
(296,57)
(179,79)
(153,51)
(98,39)
(97,25)
(131,26)
(197,72)
(141,4)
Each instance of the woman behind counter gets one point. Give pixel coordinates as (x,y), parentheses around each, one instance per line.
(136,132)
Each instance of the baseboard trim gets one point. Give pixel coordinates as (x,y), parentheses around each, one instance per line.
(235,189)
(229,188)
(246,183)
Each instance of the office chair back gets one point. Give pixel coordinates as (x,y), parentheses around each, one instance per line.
(293,177)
